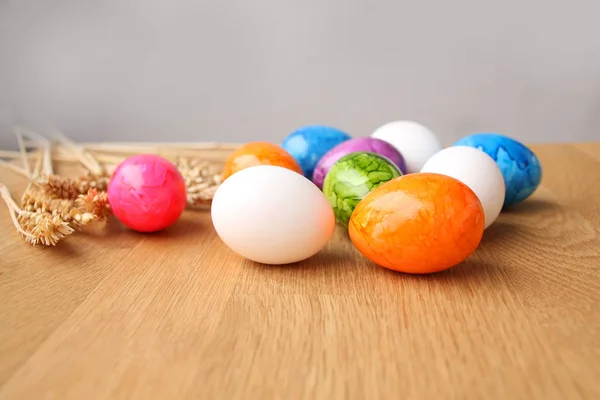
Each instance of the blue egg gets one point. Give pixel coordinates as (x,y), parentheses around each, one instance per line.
(308,144)
(519,165)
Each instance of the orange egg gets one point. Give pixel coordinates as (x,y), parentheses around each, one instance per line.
(418,223)
(259,153)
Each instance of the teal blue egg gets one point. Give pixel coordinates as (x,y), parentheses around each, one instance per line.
(308,144)
(520,166)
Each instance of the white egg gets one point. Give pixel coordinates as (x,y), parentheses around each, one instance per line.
(415,142)
(272,215)
(475,169)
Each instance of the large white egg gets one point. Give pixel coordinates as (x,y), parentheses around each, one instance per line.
(415,142)
(475,169)
(272,215)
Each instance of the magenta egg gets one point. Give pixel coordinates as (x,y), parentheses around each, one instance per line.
(147,193)
(368,144)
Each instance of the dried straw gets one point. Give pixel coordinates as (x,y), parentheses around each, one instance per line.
(54,206)
(23,151)
(14,211)
(55,186)
(201,180)
(15,168)
(44,227)
(85,158)
(45,219)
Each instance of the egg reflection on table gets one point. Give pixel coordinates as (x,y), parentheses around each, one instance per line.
(272,215)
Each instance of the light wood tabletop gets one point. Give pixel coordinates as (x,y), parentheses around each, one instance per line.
(115,314)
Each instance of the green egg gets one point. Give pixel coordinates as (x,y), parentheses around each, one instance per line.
(352,177)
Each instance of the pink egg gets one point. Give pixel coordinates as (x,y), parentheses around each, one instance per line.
(147,193)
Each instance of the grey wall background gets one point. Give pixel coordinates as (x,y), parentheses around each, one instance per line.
(243,70)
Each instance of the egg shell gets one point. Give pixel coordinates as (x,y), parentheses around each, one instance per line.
(414,141)
(418,223)
(272,215)
(360,144)
(259,153)
(352,177)
(477,170)
(520,166)
(308,144)
(147,193)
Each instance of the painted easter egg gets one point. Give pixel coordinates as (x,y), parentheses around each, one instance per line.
(308,144)
(147,193)
(272,215)
(475,169)
(418,223)
(368,144)
(414,141)
(352,177)
(520,167)
(258,153)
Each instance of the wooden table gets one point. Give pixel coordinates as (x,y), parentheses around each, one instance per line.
(114,314)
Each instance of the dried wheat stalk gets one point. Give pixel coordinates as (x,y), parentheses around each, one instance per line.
(15,168)
(44,227)
(93,181)
(57,186)
(46,220)
(37,227)
(52,206)
(23,151)
(94,202)
(201,180)
(77,209)
(53,186)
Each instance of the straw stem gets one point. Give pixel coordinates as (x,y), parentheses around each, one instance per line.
(24,155)
(15,168)
(84,158)
(37,168)
(13,209)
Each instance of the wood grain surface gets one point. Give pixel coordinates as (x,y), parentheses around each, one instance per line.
(176,315)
